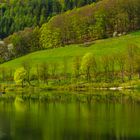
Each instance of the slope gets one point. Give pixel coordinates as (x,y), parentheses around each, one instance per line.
(66,54)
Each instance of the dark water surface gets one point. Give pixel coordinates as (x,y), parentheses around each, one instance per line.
(69,121)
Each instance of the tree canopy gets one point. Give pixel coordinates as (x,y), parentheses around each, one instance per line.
(15,15)
(104,19)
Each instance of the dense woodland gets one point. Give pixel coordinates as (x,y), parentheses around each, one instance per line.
(104,19)
(15,15)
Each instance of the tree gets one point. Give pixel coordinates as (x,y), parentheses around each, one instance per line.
(34,37)
(100,24)
(65,68)
(137,62)
(3,74)
(27,66)
(20,76)
(132,50)
(44,72)
(50,38)
(138,65)
(121,59)
(54,70)
(76,67)
(21,42)
(112,61)
(108,65)
(87,65)
(4,54)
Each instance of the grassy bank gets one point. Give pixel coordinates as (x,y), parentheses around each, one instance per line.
(78,92)
(79,86)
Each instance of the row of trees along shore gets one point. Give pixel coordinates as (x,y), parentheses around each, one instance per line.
(108,68)
(103,19)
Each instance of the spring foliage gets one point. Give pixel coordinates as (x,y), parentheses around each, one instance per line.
(104,19)
(15,15)
(20,76)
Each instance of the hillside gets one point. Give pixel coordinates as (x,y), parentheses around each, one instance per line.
(100,20)
(98,48)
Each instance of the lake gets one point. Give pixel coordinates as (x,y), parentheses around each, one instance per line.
(36,120)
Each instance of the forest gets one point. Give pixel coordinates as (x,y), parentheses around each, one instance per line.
(15,15)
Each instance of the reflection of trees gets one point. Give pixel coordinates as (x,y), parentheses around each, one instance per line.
(65,121)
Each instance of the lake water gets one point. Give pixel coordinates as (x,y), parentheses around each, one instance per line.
(34,120)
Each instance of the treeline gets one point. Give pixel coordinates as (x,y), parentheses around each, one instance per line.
(15,15)
(19,43)
(113,68)
(104,19)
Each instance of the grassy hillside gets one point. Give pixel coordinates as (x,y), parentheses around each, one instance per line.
(98,48)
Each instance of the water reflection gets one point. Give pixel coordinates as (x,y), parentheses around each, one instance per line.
(69,121)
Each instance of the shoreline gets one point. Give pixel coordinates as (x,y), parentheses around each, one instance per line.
(132,85)
(84,94)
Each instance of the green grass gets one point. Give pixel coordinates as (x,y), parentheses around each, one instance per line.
(98,48)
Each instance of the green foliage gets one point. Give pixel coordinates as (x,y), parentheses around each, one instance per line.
(16,14)
(20,76)
(100,24)
(24,41)
(50,38)
(34,37)
(96,21)
(87,64)
(76,66)
(86,61)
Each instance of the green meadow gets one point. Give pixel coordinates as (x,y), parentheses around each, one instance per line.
(99,48)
